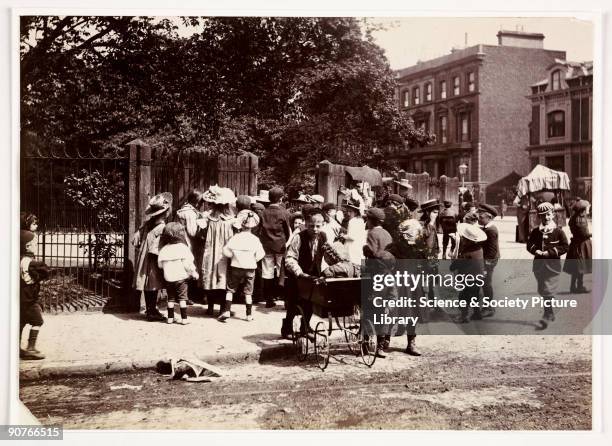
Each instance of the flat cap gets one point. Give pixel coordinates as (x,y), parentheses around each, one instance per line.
(488,208)
(397,198)
(376,214)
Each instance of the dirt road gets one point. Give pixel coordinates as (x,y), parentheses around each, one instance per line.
(467,382)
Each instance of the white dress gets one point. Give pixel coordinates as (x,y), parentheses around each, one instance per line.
(356,236)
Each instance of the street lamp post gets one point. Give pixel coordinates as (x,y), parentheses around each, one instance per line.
(462,171)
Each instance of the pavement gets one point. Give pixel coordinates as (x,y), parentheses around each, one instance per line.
(92,343)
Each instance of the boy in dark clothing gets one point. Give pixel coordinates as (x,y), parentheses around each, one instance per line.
(448,222)
(547,243)
(32,272)
(490,250)
(275,232)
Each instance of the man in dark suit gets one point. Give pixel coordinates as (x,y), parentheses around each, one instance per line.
(490,250)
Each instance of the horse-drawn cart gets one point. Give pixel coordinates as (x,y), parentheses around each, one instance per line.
(338,300)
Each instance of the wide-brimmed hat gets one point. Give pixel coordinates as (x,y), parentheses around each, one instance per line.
(264,196)
(403,182)
(219,195)
(352,204)
(489,209)
(471,232)
(246,219)
(430,205)
(545,208)
(302,198)
(158,204)
(317,198)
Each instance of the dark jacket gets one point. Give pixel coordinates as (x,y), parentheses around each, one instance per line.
(275,229)
(490,247)
(554,244)
(378,239)
(470,258)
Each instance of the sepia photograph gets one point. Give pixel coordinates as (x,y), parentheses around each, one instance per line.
(202,200)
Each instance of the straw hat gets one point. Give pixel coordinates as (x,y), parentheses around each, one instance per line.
(317,198)
(158,204)
(219,195)
(403,182)
(471,232)
(430,205)
(264,196)
(246,219)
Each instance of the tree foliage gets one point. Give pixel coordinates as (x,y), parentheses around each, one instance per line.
(294,91)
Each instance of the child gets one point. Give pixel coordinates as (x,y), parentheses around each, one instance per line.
(32,273)
(244,250)
(176,260)
(29,222)
(148,277)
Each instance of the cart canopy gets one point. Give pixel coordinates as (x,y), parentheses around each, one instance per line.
(542,177)
(367,174)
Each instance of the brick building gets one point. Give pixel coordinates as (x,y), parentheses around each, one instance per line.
(561,122)
(474,101)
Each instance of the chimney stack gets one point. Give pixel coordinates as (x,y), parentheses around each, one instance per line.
(520,39)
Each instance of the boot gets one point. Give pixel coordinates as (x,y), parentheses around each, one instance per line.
(268,291)
(380,349)
(31,353)
(287,329)
(153,314)
(580,285)
(224,313)
(411,348)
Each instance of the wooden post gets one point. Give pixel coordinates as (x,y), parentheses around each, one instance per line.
(139,193)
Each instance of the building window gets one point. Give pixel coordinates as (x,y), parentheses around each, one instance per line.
(406,98)
(471,82)
(428,92)
(463,127)
(556,124)
(534,162)
(556,162)
(456,86)
(422,124)
(443,129)
(442,89)
(581,165)
(416,96)
(556,80)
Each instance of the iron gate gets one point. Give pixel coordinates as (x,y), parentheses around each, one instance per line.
(80,198)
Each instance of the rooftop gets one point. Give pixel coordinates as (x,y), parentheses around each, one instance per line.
(573,70)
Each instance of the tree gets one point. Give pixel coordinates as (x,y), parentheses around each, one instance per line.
(294,91)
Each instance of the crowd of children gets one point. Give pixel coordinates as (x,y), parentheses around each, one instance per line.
(217,246)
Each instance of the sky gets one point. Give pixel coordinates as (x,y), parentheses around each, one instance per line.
(407,40)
